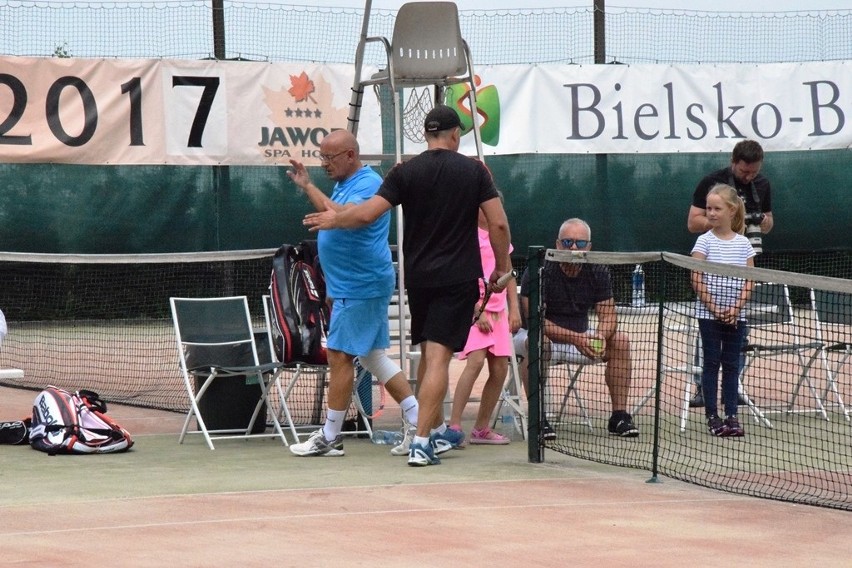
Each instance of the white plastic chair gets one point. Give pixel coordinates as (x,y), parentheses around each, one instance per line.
(774,332)
(833,315)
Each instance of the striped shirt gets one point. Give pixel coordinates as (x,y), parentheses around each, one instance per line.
(725,290)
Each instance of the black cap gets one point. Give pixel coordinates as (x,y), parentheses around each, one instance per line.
(440,118)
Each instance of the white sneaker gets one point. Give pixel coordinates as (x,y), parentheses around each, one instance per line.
(439,446)
(404,446)
(317,445)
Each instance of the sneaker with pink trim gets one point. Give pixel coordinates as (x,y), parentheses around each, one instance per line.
(488,436)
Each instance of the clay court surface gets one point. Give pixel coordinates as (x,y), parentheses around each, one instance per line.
(254,504)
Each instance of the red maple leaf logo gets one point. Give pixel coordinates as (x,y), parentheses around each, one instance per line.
(301,88)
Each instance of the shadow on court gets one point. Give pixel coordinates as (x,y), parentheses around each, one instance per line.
(254,504)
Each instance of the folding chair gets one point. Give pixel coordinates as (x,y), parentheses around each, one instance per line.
(512,396)
(574,371)
(679,322)
(215,332)
(833,310)
(774,332)
(296,371)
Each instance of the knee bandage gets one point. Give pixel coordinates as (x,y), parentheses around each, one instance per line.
(380,365)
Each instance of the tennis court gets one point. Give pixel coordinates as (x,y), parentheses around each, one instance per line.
(253,504)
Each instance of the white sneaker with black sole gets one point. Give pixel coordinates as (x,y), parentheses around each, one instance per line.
(317,445)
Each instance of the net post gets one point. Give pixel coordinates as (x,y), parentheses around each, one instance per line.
(661,298)
(535,450)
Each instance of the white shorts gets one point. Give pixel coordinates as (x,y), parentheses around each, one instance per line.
(555,352)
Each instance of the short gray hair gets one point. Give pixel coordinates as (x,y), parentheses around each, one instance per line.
(575,221)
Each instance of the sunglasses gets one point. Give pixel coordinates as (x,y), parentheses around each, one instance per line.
(581,243)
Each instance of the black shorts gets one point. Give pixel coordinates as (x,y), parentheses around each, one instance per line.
(443,314)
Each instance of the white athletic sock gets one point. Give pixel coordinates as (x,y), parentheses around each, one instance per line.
(440,429)
(333,423)
(410,409)
(421,440)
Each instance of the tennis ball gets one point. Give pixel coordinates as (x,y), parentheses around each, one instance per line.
(597,345)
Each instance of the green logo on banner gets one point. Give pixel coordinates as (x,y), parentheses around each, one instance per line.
(487,107)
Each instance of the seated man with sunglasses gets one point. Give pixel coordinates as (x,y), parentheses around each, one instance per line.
(568,293)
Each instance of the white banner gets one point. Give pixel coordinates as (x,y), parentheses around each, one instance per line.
(124,111)
(665,108)
(91,111)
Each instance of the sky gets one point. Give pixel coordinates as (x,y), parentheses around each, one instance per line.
(696,5)
(700,5)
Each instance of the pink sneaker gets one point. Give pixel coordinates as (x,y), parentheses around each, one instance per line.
(488,436)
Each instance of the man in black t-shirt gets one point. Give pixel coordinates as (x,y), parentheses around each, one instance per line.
(441,193)
(743,175)
(569,291)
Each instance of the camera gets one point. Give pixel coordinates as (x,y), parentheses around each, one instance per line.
(752,231)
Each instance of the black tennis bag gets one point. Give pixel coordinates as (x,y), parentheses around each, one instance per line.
(299,312)
(75,423)
(16,432)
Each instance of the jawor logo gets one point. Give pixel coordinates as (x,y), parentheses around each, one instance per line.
(712,116)
(300,116)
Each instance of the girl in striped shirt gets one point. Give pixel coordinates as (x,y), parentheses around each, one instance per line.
(720,303)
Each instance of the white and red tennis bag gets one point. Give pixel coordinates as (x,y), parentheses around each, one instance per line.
(65,423)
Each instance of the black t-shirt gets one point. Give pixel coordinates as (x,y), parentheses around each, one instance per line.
(760,186)
(567,300)
(440,192)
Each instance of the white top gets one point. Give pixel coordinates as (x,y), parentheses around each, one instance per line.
(3,328)
(725,290)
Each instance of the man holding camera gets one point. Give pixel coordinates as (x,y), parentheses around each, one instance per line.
(743,175)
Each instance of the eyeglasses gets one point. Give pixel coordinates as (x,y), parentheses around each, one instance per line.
(581,243)
(328,158)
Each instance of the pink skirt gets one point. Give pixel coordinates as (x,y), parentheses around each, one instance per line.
(498,341)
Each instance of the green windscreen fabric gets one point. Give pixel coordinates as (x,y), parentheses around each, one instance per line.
(632,202)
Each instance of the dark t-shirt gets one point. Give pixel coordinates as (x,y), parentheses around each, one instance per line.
(567,300)
(440,192)
(726,176)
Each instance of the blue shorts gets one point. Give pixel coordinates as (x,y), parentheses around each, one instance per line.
(359,326)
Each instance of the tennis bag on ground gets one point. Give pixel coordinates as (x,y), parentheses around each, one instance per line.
(299,312)
(16,432)
(66,423)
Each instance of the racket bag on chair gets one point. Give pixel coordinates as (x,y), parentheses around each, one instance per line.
(300,314)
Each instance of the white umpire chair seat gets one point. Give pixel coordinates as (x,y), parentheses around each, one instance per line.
(426,49)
